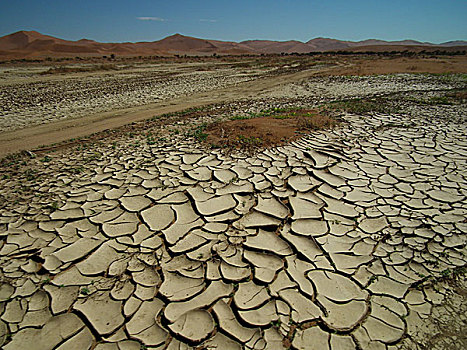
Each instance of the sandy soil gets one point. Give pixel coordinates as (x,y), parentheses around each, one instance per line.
(434,65)
(264,130)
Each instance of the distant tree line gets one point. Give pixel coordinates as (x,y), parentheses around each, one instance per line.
(405,53)
(112,57)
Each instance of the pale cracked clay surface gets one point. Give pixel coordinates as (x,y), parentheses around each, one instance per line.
(329,242)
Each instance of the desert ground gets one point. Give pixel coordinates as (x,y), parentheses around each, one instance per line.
(297,202)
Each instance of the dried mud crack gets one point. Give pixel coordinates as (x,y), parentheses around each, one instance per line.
(350,236)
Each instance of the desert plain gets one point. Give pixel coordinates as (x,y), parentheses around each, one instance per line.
(273,202)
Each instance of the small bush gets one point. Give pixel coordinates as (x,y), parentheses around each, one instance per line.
(199,133)
(315,122)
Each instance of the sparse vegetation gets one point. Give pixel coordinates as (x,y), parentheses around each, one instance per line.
(362,106)
(266,128)
(199,132)
(54,206)
(31,174)
(249,140)
(276,323)
(240,117)
(46,159)
(448,98)
(315,121)
(45,281)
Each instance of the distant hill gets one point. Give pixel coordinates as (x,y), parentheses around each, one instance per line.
(454,43)
(31,44)
(21,40)
(269,46)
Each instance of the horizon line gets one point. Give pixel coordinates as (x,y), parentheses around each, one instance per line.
(243,40)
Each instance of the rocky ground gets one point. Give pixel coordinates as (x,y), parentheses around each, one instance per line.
(347,238)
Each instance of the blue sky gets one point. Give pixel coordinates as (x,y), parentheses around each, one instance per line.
(144,20)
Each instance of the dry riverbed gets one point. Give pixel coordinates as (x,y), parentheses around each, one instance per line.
(349,235)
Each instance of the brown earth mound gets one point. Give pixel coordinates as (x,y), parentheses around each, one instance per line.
(265,130)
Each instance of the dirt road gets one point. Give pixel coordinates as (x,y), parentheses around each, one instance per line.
(80,123)
(33,137)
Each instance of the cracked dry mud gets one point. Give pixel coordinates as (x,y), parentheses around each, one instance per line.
(340,240)
(28,98)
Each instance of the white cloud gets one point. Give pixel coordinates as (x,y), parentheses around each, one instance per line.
(208,20)
(157,19)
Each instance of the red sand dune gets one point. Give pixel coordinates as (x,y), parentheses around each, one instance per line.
(269,46)
(31,44)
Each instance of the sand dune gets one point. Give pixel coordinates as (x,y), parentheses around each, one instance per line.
(25,44)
